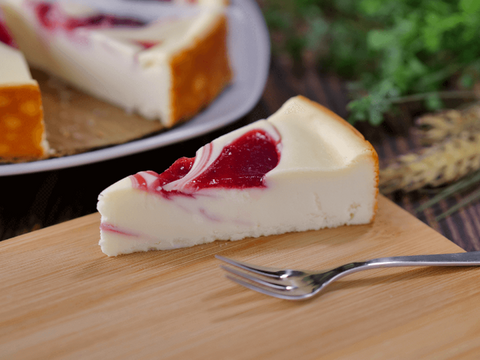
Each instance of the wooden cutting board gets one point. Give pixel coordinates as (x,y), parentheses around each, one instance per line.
(60,297)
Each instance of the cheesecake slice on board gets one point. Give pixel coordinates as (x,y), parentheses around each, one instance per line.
(303,168)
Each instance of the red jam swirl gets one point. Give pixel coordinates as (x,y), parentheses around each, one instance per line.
(6,37)
(147,44)
(50,17)
(152,182)
(241,164)
(115,229)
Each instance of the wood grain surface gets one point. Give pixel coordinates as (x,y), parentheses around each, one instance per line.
(77,122)
(60,297)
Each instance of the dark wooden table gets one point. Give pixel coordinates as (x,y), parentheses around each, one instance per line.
(33,201)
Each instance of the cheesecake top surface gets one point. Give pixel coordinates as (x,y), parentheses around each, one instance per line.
(317,138)
(306,137)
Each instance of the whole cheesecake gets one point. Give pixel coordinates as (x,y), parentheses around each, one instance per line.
(22,129)
(304,168)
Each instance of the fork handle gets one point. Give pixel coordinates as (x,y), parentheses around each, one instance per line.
(460,259)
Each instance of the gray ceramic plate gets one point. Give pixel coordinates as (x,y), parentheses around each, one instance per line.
(249,48)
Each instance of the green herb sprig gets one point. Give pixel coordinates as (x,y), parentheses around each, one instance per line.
(390,49)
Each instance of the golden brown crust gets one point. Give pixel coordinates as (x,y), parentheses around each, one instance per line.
(200,73)
(373,153)
(375,206)
(21,122)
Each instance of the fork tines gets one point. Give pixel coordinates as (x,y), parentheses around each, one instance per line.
(266,280)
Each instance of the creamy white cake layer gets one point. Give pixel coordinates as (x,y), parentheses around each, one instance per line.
(327,176)
(13,67)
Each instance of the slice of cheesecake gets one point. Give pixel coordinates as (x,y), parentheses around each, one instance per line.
(22,130)
(304,168)
(167,69)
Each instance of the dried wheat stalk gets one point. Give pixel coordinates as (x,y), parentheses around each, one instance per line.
(432,128)
(442,163)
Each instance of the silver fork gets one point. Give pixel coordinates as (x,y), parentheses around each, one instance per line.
(292,284)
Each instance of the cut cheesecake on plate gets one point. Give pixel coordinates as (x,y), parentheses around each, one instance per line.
(167,69)
(304,168)
(22,130)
